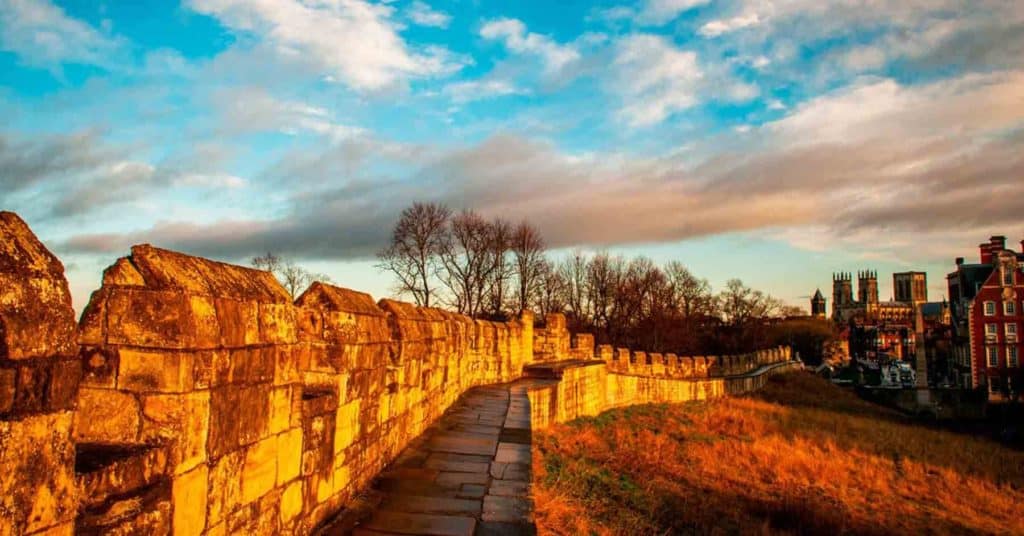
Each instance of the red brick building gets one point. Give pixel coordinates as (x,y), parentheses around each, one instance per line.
(986,302)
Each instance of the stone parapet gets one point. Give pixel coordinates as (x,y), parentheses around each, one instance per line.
(39,375)
(591,389)
(195,397)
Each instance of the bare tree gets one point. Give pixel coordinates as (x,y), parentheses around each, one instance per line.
(467,261)
(416,243)
(573,272)
(268,263)
(549,293)
(501,271)
(528,256)
(294,278)
(691,296)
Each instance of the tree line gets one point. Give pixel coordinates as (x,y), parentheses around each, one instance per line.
(495,269)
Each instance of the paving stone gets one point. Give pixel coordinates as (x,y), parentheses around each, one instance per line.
(421,504)
(509,509)
(454,480)
(467,473)
(497,528)
(509,488)
(458,467)
(497,469)
(406,523)
(463,444)
(472,491)
(513,453)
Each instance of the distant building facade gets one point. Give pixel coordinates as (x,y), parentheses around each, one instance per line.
(876,328)
(986,301)
(818,305)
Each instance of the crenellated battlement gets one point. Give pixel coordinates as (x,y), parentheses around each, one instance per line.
(199,398)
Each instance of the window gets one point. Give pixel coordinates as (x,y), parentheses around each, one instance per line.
(1007,276)
(1011,330)
(993,356)
(1009,308)
(990,308)
(1012,357)
(991,332)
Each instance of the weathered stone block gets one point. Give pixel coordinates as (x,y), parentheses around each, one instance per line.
(180,420)
(239,415)
(239,322)
(154,371)
(259,470)
(207,333)
(37,483)
(99,367)
(277,323)
(36,319)
(8,378)
(106,416)
(92,327)
(289,461)
(225,486)
(280,409)
(189,494)
(149,318)
(291,501)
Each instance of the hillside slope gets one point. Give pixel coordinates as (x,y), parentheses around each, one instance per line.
(801,456)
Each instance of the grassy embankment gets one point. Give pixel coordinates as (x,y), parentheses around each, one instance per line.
(801,456)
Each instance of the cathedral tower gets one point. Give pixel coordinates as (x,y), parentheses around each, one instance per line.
(818,305)
(867,287)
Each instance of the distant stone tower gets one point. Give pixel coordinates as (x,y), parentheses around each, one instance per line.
(818,305)
(867,287)
(842,293)
(910,287)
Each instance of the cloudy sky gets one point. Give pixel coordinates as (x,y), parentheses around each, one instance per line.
(775,141)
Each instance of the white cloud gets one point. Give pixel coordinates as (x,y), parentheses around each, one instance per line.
(654,78)
(210,180)
(720,26)
(742,92)
(473,90)
(422,14)
(514,35)
(352,40)
(256,110)
(658,12)
(41,34)
(864,58)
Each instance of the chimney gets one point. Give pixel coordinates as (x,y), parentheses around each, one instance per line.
(986,252)
(960,260)
(1022,246)
(998,243)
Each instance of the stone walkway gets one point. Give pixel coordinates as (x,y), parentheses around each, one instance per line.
(467,475)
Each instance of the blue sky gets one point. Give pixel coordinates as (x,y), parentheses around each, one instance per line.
(775,141)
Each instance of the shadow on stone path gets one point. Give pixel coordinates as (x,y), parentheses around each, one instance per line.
(469,474)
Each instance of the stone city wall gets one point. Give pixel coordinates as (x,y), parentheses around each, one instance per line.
(622,361)
(197,398)
(39,374)
(270,415)
(589,389)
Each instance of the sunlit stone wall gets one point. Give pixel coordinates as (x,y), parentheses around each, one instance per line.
(591,388)
(39,375)
(199,399)
(271,415)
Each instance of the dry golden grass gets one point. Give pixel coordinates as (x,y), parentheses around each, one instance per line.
(801,456)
